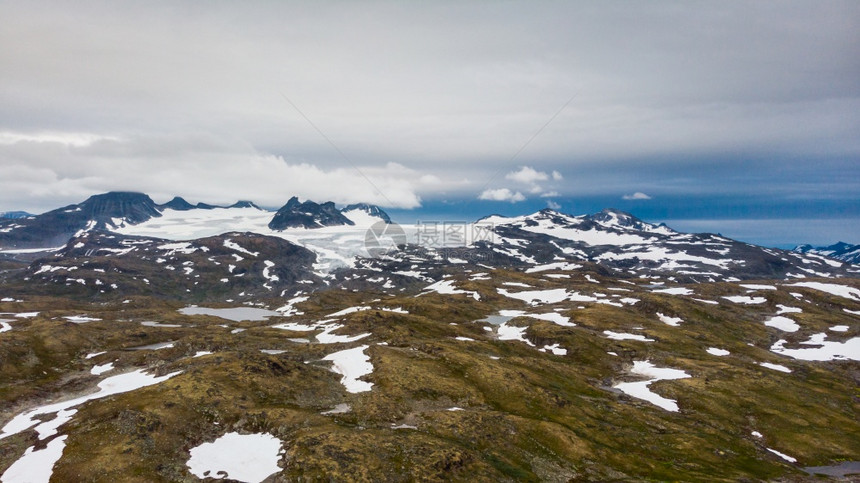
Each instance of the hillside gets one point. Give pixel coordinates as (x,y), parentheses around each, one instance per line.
(546,347)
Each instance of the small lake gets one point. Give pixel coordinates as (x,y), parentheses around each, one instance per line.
(236,314)
(843,469)
(497,319)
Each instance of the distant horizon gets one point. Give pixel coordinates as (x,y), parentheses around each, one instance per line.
(783,233)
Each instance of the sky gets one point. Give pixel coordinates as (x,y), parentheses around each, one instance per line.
(735,117)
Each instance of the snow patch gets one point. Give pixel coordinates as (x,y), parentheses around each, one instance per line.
(832,288)
(623,336)
(783,456)
(782,323)
(101,369)
(553,317)
(80,319)
(752,286)
(555,349)
(352,364)
(674,291)
(826,350)
(641,390)
(775,367)
(36,466)
(244,457)
(184,248)
(446,287)
(743,299)
(236,248)
(673,321)
(107,387)
(783,309)
(564,266)
(535,297)
(507,332)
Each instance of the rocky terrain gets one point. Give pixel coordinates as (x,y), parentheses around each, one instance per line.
(546,347)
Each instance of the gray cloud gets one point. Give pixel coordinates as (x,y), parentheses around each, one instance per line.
(419,96)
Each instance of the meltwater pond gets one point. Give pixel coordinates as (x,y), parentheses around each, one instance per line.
(497,319)
(841,470)
(236,314)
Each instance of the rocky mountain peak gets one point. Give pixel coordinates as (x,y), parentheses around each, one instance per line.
(177,203)
(132,207)
(244,204)
(308,214)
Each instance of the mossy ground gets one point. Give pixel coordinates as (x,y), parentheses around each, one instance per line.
(526,415)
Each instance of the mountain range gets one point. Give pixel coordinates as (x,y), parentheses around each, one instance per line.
(838,251)
(13,215)
(614,240)
(328,344)
(113,210)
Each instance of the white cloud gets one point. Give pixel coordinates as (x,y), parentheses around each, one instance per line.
(195,167)
(501,194)
(527,175)
(549,194)
(553,205)
(530,177)
(636,196)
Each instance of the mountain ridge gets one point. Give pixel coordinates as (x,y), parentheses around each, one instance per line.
(613,239)
(839,251)
(14,215)
(117,209)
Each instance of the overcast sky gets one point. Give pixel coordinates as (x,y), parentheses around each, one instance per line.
(671,110)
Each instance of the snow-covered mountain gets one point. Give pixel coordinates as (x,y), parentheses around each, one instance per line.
(617,242)
(364,214)
(629,246)
(121,211)
(14,215)
(840,251)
